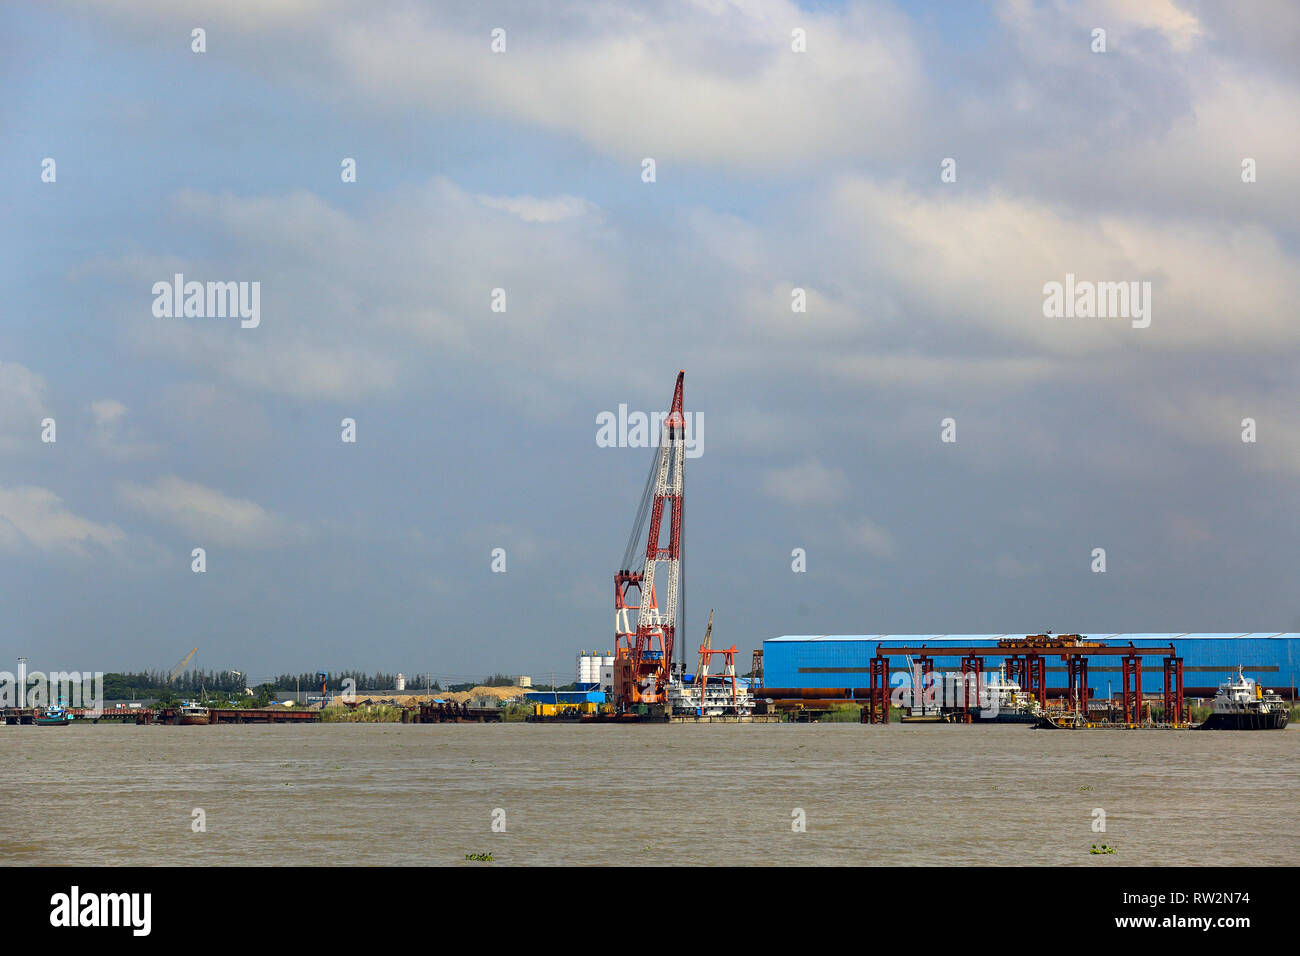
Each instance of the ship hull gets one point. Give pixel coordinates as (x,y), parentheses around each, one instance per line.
(1272,721)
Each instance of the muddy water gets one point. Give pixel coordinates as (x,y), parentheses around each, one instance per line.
(393,794)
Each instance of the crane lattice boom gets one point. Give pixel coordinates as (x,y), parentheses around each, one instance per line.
(643,655)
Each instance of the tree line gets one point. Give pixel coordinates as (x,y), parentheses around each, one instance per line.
(155,683)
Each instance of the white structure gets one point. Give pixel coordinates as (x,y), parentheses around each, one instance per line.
(590,664)
(525,681)
(400,682)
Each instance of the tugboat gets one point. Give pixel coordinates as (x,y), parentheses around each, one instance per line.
(53,717)
(1241,704)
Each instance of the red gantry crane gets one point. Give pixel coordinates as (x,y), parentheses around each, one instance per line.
(643,652)
(707,653)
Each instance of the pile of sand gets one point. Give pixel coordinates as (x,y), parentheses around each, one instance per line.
(458,697)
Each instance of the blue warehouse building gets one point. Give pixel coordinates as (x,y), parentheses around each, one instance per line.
(840,661)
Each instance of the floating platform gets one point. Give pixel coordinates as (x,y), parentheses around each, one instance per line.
(450,713)
(573,717)
(122,715)
(258,715)
(1075,722)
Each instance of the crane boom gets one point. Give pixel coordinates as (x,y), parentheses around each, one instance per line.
(702,672)
(643,656)
(181,666)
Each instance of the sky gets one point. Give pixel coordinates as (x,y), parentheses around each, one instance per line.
(918,174)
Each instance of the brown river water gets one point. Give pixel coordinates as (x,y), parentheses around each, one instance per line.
(374,794)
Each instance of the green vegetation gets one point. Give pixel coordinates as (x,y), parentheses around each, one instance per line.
(363,714)
(513,713)
(1103,849)
(844,714)
(479,857)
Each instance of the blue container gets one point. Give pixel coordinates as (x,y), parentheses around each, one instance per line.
(566,696)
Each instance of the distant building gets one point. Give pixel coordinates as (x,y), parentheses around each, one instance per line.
(400,683)
(525,681)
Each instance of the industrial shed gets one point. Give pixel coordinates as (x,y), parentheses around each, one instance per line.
(843,660)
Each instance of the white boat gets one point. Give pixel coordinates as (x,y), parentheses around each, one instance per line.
(1242,704)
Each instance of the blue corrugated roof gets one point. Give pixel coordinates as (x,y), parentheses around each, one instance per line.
(1125,638)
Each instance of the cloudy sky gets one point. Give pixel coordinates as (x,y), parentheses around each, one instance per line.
(522,170)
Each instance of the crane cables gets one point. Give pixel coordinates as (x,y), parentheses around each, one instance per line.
(630,554)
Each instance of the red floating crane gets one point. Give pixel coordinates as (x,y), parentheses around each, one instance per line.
(643,652)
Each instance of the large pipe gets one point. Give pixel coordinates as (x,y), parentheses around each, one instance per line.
(863,693)
(810,693)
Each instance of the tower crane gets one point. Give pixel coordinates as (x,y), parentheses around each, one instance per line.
(643,652)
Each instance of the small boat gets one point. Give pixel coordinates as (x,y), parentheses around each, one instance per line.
(52,717)
(1060,720)
(191,713)
(1242,704)
(1014,705)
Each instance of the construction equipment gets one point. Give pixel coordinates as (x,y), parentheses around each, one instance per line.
(704,648)
(643,652)
(181,666)
(706,656)
(720,699)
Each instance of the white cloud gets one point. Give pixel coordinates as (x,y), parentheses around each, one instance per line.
(113,437)
(811,483)
(534,209)
(205,514)
(36,517)
(359,305)
(23,403)
(107,412)
(1009,567)
(983,258)
(681,82)
(866,535)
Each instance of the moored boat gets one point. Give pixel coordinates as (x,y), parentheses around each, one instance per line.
(52,717)
(191,713)
(1242,704)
